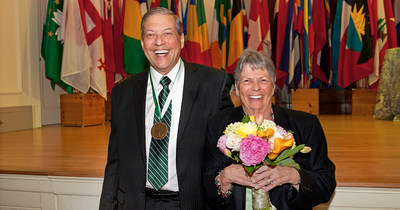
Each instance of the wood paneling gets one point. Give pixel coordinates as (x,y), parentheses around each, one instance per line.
(363,101)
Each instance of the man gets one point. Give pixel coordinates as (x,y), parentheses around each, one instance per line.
(139,174)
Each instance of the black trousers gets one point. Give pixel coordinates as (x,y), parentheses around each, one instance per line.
(162,200)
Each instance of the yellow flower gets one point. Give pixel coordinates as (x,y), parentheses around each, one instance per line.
(246,129)
(252,118)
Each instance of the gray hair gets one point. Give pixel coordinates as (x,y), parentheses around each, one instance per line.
(256,60)
(162,11)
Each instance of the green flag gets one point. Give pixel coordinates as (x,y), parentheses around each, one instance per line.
(52,46)
(134,59)
(164,3)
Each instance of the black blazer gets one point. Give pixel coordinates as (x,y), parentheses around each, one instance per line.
(205,92)
(317,175)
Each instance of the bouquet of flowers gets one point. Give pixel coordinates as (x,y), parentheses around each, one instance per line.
(256,142)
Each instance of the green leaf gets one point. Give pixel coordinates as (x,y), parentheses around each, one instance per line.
(268,162)
(289,162)
(249,169)
(246,119)
(291,152)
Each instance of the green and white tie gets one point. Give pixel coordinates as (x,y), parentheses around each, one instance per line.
(158,155)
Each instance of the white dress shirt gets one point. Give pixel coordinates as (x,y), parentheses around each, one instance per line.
(176,91)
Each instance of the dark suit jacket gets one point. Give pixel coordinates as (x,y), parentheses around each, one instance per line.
(317,174)
(205,92)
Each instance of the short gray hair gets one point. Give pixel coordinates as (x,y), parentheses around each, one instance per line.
(162,11)
(256,60)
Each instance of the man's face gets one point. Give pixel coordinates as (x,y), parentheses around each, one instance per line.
(161,42)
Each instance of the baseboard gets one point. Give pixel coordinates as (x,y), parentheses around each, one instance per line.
(16,118)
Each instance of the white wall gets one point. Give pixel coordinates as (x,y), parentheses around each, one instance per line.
(19,56)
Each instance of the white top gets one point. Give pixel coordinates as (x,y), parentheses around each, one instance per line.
(176,91)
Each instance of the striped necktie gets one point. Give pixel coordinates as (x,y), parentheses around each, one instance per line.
(158,155)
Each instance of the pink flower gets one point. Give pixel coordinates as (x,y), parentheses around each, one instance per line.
(222,143)
(281,130)
(253,150)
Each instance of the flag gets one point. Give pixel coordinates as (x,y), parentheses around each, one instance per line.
(245,25)
(265,29)
(164,3)
(154,3)
(220,34)
(112,41)
(215,51)
(336,37)
(390,23)
(355,58)
(320,41)
(76,62)
(235,36)
(117,35)
(281,18)
(295,60)
(197,44)
(92,26)
(134,58)
(308,40)
(175,7)
(380,39)
(255,38)
(287,46)
(52,44)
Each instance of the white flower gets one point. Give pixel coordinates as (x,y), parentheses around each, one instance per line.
(233,142)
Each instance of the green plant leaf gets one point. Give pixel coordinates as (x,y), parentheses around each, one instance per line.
(289,162)
(249,170)
(246,119)
(291,152)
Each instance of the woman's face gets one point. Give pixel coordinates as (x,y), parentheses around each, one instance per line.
(255,89)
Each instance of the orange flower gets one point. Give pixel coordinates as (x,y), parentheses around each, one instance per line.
(266,133)
(280,145)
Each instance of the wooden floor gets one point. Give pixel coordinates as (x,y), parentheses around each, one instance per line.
(366,152)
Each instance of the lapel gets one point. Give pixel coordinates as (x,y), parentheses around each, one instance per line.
(190,87)
(139,95)
(280,118)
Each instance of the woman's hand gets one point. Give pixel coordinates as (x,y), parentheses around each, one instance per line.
(234,173)
(268,177)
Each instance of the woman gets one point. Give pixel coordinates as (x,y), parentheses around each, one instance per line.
(288,188)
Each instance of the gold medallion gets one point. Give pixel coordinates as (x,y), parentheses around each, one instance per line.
(159,130)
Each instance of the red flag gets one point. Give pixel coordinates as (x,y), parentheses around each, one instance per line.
(265,28)
(255,38)
(108,44)
(155,3)
(320,39)
(281,13)
(356,51)
(391,25)
(117,33)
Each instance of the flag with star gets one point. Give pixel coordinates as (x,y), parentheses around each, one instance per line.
(356,53)
(52,44)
